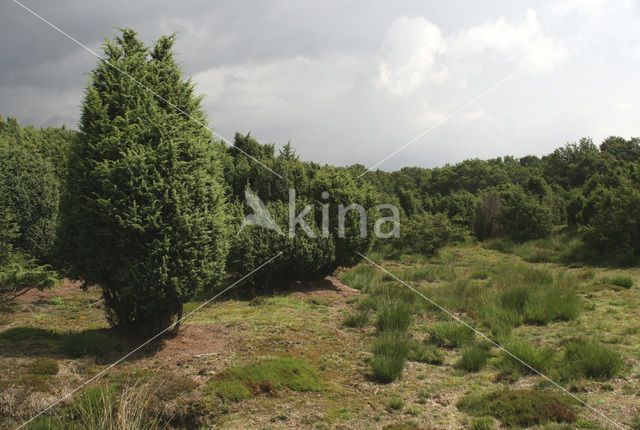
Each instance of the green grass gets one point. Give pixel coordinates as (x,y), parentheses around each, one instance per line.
(480,274)
(520,408)
(539,304)
(43,366)
(621,281)
(360,277)
(450,334)
(394,316)
(239,383)
(390,351)
(72,343)
(423,353)
(539,358)
(484,423)
(356,319)
(474,358)
(395,404)
(587,359)
(94,343)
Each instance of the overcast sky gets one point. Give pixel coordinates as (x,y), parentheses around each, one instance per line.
(351,81)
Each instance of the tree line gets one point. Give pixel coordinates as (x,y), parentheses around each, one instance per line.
(143,202)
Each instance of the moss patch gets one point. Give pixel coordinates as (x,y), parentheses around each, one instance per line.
(520,408)
(266,376)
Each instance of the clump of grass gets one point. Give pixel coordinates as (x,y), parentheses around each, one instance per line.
(474,358)
(635,421)
(415,411)
(500,244)
(239,383)
(423,353)
(43,366)
(538,358)
(483,423)
(590,360)
(622,281)
(546,305)
(103,407)
(450,334)
(521,408)
(360,277)
(356,319)
(480,274)
(389,354)
(394,316)
(539,304)
(94,343)
(395,404)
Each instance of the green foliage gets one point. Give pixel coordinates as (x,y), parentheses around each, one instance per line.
(520,408)
(238,383)
(587,359)
(29,196)
(614,229)
(427,233)
(144,211)
(94,343)
(485,218)
(522,216)
(450,334)
(345,189)
(303,257)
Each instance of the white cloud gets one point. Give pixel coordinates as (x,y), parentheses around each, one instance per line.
(581,7)
(409,56)
(523,42)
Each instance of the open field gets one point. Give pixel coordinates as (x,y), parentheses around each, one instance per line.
(288,361)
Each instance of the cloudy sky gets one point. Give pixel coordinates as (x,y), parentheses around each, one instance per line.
(352,81)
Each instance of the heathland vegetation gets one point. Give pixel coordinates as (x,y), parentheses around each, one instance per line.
(503,269)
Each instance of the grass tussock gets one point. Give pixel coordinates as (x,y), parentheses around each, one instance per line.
(540,359)
(361,277)
(356,319)
(394,316)
(103,407)
(423,353)
(474,358)
(587,359)
(390,352)
(450,334)
(621,281)
(521,408)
